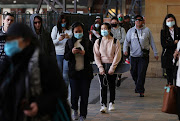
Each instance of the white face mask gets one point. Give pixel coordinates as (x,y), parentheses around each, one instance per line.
(170,24)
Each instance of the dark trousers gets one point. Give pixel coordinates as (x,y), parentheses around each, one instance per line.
(139,67)
(178,101)
(80,89)
(171,74)
(105,82)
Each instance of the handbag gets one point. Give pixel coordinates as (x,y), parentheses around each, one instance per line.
(61,113)
(145,51)
(169,100)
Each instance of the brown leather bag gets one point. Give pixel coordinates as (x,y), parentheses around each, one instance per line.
(170,100)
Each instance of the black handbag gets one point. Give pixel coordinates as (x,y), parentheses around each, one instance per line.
(145,51)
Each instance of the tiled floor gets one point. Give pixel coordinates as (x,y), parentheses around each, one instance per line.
(130,107)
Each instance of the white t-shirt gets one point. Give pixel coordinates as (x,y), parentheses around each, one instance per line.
(59,45)
(79,58)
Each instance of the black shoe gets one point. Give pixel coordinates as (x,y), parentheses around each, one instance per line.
(141,94)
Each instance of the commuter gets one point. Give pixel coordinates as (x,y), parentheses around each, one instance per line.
(60,34)
(79,54)
(119,34)
(44,38)
(177,62)
(8,19)
(127,23)
(107,51)
(95,32)
(139,38)
(170,35)
(30,83)
(127,26)
(121,20)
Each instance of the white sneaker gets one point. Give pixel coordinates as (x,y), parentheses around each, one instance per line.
(103,109)
(111,107)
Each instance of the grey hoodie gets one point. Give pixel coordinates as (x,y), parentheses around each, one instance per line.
(44,38)
(146,40)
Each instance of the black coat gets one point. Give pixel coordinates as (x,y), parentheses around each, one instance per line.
(88,57)
(12,92)
(169,48)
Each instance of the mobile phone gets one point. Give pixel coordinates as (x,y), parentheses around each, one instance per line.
(26,105)
(78,48)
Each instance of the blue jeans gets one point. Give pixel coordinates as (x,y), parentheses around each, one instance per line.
(63,66)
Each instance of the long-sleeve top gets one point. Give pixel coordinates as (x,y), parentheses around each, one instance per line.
(178,72)
(59,45)
(119,34)
(107,52)
(146,39)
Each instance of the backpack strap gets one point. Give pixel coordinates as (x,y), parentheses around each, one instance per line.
(100,39)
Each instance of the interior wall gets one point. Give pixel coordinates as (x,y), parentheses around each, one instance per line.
(155,12)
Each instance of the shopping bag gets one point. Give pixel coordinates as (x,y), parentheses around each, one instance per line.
(170,99)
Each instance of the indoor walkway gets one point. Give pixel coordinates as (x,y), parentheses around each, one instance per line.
(129,106)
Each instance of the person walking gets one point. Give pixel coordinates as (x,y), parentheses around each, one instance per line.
(79,54)
(119,34)
(44,37)
(107,51)
(139,38)
(30,83)
(8,19)
(60,34)
(170,35)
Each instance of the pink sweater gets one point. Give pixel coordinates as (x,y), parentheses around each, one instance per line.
(108,52)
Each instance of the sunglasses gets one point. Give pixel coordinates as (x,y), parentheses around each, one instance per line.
(139,19)
(37,22)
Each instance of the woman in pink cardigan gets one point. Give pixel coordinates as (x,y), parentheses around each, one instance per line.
(107,51)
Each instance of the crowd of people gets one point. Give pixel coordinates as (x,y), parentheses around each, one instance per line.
(37,67)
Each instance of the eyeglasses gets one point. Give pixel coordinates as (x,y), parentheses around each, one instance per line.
(37,22)
(139,19)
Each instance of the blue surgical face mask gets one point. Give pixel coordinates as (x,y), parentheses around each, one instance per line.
(63,25)
(12,47)
(104,33)
(78,35)
(97,25)
(170,24)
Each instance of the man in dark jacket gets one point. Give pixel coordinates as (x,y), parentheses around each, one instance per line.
(30,83)
(44,38)
(8,19)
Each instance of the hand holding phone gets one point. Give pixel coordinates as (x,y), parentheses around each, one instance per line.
(78,48)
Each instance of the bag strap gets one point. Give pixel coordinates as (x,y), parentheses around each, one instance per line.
(138,38)
(100,39)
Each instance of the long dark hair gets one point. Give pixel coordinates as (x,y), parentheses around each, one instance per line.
(166,28)
(60,21)
(109,27)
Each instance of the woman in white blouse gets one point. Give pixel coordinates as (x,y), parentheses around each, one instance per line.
(60,34)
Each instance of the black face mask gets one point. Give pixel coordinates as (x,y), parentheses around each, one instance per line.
(114,25)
